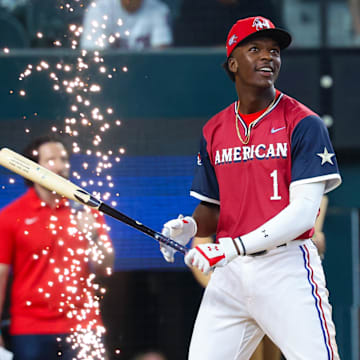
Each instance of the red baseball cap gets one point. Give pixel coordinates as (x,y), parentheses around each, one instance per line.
(251,27)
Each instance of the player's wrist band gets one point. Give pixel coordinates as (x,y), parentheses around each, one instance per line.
(239,245)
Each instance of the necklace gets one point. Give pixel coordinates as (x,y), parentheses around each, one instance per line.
(238,118)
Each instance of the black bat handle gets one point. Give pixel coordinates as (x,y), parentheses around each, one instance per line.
(106,209)
(169,242)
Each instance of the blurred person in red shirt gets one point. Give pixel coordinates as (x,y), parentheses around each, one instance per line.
(54,252)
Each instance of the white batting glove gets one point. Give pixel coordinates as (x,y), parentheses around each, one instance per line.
(5,354)
(181,230)
(206,257)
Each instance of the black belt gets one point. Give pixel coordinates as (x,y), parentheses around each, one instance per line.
(263,252)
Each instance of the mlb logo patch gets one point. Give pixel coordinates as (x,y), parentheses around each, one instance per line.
(199,161)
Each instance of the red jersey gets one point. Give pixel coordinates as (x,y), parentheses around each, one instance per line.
(288,144)
(51,290)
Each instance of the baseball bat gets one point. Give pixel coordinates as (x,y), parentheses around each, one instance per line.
(53,182)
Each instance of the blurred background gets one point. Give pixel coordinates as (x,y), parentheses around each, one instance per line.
(155,97)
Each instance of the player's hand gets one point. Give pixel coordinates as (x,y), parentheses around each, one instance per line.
(206,257)
(319,241)
(181,230)
(5,354)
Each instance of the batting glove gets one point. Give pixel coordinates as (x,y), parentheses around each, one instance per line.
(206,257)
(181,230)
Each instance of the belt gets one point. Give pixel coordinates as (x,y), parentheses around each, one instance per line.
(263,252)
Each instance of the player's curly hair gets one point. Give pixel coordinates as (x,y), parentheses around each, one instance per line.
(31,150)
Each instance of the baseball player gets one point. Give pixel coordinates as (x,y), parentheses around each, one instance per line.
(264,164)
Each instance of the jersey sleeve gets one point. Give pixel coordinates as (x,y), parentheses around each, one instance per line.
(6,239)
(312,155)
(205,186)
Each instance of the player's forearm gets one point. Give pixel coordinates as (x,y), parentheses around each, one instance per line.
(4,273)
(298,217)
(206,216)
(321,218)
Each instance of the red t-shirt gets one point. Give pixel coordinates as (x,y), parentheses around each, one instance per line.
(51,290)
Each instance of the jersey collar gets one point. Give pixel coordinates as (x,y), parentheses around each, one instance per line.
(241,117)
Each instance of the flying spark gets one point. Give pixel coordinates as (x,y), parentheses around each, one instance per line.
(81,81)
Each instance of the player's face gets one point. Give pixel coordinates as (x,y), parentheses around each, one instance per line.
(53,156)
(131,5)
(257,62)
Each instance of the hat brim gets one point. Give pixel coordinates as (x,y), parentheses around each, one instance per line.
(282,37)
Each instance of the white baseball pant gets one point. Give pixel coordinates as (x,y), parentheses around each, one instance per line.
(281,293)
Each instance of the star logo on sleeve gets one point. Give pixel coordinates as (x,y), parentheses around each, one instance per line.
(326,156)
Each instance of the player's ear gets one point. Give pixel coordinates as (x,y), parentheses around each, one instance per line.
(232,64)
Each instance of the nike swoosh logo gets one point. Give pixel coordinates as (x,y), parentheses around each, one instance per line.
(31,221)
(273,131)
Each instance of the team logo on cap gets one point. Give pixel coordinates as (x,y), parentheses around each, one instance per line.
(261,24)
(233,40)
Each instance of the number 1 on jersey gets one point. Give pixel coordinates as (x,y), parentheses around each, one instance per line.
(276,195)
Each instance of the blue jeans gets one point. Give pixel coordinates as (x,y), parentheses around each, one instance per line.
(41,347)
